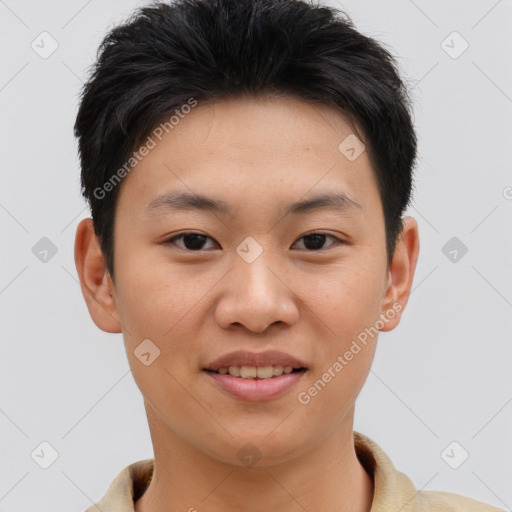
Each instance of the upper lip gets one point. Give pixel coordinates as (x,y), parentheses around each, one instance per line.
(245,358)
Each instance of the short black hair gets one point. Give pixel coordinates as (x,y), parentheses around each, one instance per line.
(210,50)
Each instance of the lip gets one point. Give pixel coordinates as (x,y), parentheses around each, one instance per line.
(245,358)
(252,390)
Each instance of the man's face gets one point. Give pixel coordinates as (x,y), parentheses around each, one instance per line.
(257,280)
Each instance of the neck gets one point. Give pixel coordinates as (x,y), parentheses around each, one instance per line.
(327,477)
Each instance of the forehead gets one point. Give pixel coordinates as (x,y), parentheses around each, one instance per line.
(254,151)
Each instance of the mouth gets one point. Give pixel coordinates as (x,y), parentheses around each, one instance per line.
(257,372)
(256,376)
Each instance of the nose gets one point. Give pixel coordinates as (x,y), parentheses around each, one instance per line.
(256,295)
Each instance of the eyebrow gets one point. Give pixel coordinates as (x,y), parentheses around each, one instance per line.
(184,201)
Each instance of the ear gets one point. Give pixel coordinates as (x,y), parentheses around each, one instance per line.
(401,273)
(95,281)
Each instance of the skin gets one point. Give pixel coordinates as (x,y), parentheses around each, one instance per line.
(258,155)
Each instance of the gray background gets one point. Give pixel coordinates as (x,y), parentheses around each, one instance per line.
(442,376)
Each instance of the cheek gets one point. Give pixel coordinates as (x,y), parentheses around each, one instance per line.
(158,307)
(345,306)
(346,309)
(155,296)
(167,305)
(346,299)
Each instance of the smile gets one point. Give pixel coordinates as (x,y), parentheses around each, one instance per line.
(257,372)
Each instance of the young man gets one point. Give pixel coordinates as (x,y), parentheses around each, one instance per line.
(247,163)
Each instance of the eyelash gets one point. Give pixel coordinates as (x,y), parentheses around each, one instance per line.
(337,241)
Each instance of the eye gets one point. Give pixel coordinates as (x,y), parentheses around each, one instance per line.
(195,241)
(191,241)
(315,240)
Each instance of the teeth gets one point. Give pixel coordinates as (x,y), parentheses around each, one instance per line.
(248,372)
(251,372)
(234,371)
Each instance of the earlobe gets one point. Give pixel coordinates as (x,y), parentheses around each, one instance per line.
(401,273)
(95,280)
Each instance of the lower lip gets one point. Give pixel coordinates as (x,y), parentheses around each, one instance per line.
(253,390)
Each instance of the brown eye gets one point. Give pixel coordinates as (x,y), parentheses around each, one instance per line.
(191,241)
(315,241)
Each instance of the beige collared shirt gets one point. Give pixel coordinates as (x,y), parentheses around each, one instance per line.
(394,491)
